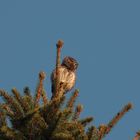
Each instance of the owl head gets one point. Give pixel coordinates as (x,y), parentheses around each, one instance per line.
(70,63)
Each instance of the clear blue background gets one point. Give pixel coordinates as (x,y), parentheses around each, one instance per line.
(104,36)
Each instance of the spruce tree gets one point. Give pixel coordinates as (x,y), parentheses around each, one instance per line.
(51,119)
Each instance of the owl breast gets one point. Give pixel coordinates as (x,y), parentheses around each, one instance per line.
(67,77)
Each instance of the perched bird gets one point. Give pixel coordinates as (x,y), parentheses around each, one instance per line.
(67,75)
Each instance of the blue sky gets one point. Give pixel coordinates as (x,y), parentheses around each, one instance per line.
(104,36)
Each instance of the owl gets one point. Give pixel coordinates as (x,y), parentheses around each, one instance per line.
(67,75)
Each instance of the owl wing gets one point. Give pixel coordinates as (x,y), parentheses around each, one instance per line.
(71,78)
(62,78)
(53,83)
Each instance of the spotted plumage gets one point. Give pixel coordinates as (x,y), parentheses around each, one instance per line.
(67,75)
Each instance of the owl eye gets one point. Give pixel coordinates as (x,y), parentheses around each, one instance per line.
(70,63)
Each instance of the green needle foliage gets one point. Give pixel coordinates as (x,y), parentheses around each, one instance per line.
(53,119)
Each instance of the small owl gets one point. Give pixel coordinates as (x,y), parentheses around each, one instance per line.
(67,75)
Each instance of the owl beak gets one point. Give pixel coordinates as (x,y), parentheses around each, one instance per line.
(76,65)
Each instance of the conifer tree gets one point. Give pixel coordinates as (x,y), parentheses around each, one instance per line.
(51,119)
